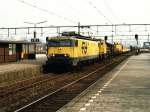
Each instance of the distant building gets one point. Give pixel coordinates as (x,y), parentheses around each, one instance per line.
(146,45)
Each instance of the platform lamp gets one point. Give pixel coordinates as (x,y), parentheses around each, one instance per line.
(34,34)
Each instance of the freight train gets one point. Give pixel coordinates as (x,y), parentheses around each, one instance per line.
(71,48)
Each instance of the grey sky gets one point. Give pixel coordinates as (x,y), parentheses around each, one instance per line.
(14,13)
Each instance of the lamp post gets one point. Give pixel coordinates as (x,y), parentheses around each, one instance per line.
(34,34)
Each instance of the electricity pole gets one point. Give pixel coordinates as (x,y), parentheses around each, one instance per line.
(79,28)
(34,33)
(35,24)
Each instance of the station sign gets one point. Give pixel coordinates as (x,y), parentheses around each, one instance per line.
(35,40)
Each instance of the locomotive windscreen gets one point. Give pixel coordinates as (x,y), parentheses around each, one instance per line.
(61,43)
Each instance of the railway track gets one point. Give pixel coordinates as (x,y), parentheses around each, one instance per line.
(28,90)
(20,84)
(22,92)
(56,99)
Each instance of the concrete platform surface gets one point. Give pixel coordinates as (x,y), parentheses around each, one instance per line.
(124,89)
(21,70)
(40,60)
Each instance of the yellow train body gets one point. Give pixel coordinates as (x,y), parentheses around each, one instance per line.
(72,50)
(118,48)
(125,50)
(75,49)
(102,48)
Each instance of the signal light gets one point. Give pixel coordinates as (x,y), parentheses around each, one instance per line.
(136,36)
(106,38)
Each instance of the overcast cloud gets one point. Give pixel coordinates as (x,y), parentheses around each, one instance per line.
(14,13)
(69,12)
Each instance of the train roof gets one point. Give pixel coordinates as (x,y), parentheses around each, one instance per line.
(72,37)
(75,35)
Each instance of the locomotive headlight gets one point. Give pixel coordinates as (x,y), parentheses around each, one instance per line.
(51,55)
(66,55)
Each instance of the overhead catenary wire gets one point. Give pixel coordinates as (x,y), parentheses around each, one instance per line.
(111,10)
(71,7)
(99,11)
(8,32)
(46,11)
(112,13)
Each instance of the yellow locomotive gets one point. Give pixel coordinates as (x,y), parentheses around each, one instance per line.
(118,48)
(71,48)
(103,49)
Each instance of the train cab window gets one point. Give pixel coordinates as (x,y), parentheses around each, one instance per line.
(61,43)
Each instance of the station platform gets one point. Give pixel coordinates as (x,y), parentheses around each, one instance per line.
(125,89)
(21,70)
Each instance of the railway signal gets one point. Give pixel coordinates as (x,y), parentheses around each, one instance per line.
(106,38)
(136,38)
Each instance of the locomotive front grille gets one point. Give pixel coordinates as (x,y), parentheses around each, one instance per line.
(59,58)
(59,55)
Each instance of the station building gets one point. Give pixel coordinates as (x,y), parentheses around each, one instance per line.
(11,51)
